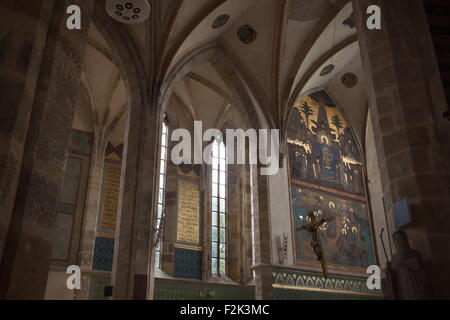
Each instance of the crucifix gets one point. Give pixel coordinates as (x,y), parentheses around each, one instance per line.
(314,227)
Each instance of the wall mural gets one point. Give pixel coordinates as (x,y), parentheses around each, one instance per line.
(327,176)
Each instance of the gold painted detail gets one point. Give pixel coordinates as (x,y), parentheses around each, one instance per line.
(110,197)
(188,212)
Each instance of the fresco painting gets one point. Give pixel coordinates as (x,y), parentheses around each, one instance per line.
(347,240)
(327,176)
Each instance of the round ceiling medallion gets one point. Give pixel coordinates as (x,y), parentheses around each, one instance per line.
(128,11)
(221,21)
(349,80)
(246,34)
(327,70)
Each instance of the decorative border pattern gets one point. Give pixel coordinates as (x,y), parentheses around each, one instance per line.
(103,254)
(171,290)
(187,264)
(328,190)
(310,282)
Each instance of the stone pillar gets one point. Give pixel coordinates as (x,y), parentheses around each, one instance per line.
(136,212)
(92,207)
(133,252)
(246,221)
(26,257)
(234,212)
(406,100)
(21,52)
(263,268)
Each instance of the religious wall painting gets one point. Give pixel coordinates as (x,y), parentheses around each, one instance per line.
(346,240)
(321,146)
(327,177)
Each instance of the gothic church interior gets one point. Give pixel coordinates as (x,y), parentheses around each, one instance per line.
(88,178)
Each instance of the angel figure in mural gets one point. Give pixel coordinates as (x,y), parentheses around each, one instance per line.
(314,226)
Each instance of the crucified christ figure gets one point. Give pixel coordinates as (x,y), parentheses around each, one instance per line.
(313,227)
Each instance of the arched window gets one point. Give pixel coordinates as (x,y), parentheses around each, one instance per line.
(162,188)
(218,200)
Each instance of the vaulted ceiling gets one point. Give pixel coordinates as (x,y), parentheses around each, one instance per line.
(295,40)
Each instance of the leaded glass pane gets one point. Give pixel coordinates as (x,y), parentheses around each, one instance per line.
(157,259)
(214,235)
(215,164)
(214,219)
(161,196)
(214,249)
(222,191)
(161,181)
(160,209)
(222,251)
(222,267)
(214,203)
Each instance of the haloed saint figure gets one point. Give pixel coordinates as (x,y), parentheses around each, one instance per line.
(327,159)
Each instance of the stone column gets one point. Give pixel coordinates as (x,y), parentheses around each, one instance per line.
(133,253)
(92,207)
(246,221)
(263,268)
(135,217)
(21,52)
(234,211)
(26,257)
(406,100)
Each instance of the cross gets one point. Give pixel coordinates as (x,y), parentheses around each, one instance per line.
(313,227)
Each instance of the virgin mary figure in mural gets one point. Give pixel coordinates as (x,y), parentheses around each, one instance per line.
(327,158)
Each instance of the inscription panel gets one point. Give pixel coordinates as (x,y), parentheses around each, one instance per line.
(110,199)
(188,230)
